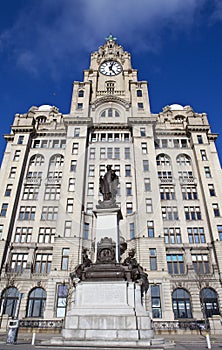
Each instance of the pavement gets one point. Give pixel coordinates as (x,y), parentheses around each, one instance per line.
(176,342)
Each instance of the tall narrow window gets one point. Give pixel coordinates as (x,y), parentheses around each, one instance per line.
(144,147)
(20,140)
(65,259)
(211,190)
(153,259)
(219,230)
(127,153)
(86,230)
(16,155)
(73,165)
(145,165)
(91,170)
(216,209)
(8,190)
(128,189)
(139,93)
(203,154)
(129,207)
(76,132)
(75,148)
(92,153)
(12,172)
(150,229)
(156,301)
(147,184)
(68,228)
(71,187)
(207,171)
(127,170)
(149,206)
(200,139)
(69,205)
(132,230)
(142,132)
(61,300)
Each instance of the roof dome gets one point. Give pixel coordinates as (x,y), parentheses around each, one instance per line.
(176,107)
(45,108)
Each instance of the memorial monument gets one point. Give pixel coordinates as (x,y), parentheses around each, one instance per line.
(108,310)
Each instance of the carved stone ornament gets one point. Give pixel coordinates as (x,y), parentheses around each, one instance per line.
(106,251)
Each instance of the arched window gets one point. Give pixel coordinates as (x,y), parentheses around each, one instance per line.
(139,93)
(163,160)
(56,160)
(181,303)
(110,112)
(183,159)
(81,93)
(36,302)
(9,300)
(37,159)
(209,301)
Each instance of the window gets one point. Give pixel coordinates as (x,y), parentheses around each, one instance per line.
(67,228)
(86,230)
(184,143)
(127,170)
(132,230)
(200,263)
(89,208)
(172,235)
(30,192)
(55,175)
(144,147)
(129,207)
(126,137)
(192,213)
(109,153)
(127,153)
(102,153)
(76,132)
(46,235)
(189,192)
(175,264)
(23,235)
(20,140)
(73,166)
(128,189)
(43,263)
(9,300)
(203,154)
(49,213)
(36,160)
(12,172)
(36,303)
(200,139)
(57,160)
(170,213)
(117,169)
(110,86)
(162,160)
(91,170)
(102,170)
(167,193)
(1,230)
(150,229)
(8,190)
(139,93)
(90,191)
(16,155)
(52,193)
(149,206)
(18,262)
(147,186)
(117,153)
(71,186)
(34,175)
(216,209)
(165,176)
(27,213)
(65,259)
(61,300)
(79,105)
(181,303)
(92,153)
(219,229)
(207,171)
(81,93)
(164,143)
(142,132)
(211,190)
(153,259)
(183,160)
(155,301)
(75,148)
(209,300)
(145,165)
(69,205)
(140,105)
(36,144)
(184,175)
(196,235)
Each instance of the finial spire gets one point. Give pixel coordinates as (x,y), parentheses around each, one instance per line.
(110,38)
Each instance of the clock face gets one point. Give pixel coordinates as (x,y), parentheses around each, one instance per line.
(110,68)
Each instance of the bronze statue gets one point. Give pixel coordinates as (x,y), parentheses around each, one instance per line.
(108,186)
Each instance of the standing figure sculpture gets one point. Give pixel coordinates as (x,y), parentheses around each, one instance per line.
(108,186)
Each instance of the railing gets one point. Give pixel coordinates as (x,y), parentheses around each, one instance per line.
(115,92)
(179,325)
(43,324)
(33,181)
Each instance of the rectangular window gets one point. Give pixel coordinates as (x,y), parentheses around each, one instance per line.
(132,230)
(67,228)
(30,193)
(153,259)
(156,301)
(172,235)
(216,209)
(200,263)
(8,190)
(150,229)
(16,155)
(144,147)
(145,165)
(102,153)
(127,170)
(79,105)
(92,153)
(207,172)
(46,235)
(211,190)
(91,170)
(69,205)
(89,208)
(117,153)
(36,144)
(73,166)
(49,213)
(165,176)
(23,235)
(200,139)
(142,132)
(129,207)
(126,137)
(75,148)
(147,185)
(175,264)
(128,189)
(20,140)
(189,192)
(43,263)
(86,230)
(219,230)
(12,172)
(149,206)
(170,213)
(1,230)
(90,189)
(140,105)
(27,213)
(76,132)
(192,213)
(117,169)
(71,187)
(184,143)
(167,193)
(164,143)
(196,235)
(61,300)
(18,262)
(102,170)
(109,153)
(65,259)
(203,154)
(93,137)
(127,153)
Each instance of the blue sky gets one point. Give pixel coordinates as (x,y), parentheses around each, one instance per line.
(45,45)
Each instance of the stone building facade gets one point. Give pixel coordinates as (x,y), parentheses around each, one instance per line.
(169,194)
